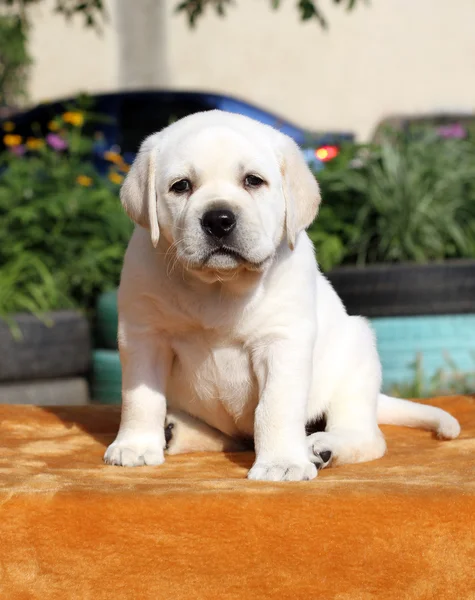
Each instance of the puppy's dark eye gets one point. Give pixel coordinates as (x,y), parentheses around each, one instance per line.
(253,181)
(180,187)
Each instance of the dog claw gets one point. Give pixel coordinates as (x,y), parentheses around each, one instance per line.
(168,434)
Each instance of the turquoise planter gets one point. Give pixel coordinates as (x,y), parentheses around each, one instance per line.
(435,338)
(106,377)
(106,321)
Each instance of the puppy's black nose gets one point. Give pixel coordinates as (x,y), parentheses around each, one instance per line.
(218,223)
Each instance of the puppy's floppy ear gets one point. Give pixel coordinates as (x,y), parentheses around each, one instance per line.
(138,193)
(301,191)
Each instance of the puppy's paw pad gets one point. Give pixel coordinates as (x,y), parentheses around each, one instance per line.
(282,471)
(346,446)
(319,448)
(321,458)
(126,454)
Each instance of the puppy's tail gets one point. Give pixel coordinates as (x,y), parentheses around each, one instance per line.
(394,411)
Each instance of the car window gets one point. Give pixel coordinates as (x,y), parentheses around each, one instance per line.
(138,117)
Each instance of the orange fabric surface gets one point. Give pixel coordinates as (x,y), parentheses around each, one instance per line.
(402,527)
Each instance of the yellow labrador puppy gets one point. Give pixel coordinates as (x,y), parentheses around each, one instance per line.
(225,321)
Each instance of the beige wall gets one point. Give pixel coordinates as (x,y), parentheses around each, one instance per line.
(68,58)
(392,56)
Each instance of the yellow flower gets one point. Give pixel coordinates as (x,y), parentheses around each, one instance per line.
(12,140)
(53,126)
(116,158)
(113,157)
(34,143)
(84,180)
(116,177)
(8,126)
(75,118)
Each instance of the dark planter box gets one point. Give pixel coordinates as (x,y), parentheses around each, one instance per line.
(45,351)
(68,391)
(407,289)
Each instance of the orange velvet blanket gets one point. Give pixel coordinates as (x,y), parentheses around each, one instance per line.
(402,527)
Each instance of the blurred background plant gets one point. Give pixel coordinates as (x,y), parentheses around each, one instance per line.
(447,380)
(410,198)
(14,60)
(62,227)
(307,9)
(92,11)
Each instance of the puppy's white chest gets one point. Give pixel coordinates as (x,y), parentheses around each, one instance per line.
(214,380)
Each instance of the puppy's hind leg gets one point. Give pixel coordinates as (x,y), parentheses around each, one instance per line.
(352,434)
(185,434)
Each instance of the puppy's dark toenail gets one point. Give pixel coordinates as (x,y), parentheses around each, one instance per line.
(325,455)
(168,433)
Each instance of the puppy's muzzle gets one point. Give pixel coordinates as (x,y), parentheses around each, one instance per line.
(218,223)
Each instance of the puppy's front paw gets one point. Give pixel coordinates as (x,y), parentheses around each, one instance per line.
(135,451)
(283,471)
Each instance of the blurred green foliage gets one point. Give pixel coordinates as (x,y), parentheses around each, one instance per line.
(411,198)
(92,11)
(15,23)
(446,381)
(307,9)
(14,60)
(62,226)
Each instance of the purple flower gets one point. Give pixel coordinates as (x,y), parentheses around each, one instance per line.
(18,150)
(56,142)
(455,131)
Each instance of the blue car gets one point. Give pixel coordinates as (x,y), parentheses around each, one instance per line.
(131,116)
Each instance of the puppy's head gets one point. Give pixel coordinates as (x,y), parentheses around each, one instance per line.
(223,189)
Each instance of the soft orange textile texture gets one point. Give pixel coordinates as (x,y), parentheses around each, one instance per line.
(402,527)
